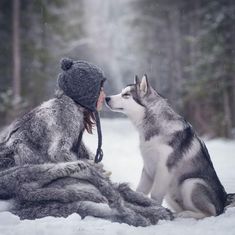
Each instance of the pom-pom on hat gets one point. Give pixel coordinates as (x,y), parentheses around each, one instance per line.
(82,81)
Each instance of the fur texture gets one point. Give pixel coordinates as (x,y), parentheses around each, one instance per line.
(49,133)
(176,164)
(46,172)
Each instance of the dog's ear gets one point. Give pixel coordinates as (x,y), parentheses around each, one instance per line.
(136,80)
(144,85)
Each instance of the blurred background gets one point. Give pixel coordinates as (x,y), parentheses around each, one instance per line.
(186,47)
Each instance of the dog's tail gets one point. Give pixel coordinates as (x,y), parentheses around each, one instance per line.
(230,202)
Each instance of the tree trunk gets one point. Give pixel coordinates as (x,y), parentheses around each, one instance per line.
(16,51)
(227,114)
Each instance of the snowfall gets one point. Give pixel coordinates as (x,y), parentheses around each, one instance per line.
(122,157)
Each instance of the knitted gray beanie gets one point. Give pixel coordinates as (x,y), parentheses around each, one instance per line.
(81,81)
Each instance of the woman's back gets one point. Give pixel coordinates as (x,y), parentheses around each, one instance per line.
(45,134)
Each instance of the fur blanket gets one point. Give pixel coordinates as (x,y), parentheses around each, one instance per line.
(75,187)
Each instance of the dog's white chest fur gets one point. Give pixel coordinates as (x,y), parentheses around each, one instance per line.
(155,154)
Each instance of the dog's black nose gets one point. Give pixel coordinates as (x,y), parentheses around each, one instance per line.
(107,99)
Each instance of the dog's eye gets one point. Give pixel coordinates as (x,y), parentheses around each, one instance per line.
(126,96)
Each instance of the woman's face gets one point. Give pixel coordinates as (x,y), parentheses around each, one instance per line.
(101,99)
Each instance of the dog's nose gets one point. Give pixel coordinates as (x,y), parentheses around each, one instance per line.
(107,99)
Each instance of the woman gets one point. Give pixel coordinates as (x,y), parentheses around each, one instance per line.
(53,131)
(44,170)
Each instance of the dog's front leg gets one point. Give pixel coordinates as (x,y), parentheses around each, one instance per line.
(145,183)
(160,185)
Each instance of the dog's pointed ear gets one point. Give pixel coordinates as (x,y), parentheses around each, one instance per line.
(144,85)
(136,80)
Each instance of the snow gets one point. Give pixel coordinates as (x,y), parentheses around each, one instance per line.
(122,158)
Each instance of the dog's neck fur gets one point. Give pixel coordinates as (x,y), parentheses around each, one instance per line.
(157,120)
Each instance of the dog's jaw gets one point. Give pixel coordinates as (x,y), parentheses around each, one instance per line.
(120,110)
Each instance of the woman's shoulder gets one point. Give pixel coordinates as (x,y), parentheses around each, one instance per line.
(62,107)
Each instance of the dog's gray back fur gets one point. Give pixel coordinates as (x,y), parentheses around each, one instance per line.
(45,171)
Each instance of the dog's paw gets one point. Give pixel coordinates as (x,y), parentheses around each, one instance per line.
(190,214)
(184,214)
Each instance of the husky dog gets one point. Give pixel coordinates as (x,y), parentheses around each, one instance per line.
(44,172)
(176,164)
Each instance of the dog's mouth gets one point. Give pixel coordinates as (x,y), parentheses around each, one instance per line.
(113,108)
(107,102)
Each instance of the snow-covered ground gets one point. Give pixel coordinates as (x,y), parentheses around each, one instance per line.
(122,157)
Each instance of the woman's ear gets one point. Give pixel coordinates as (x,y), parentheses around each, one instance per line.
(144,85)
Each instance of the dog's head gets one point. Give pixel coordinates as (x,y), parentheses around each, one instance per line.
(133,99)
